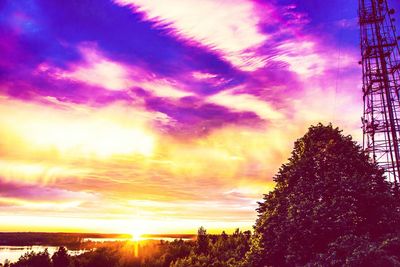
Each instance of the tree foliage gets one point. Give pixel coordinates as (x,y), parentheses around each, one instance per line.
(222,251)
(360,251)
(326,193)
(202,240)
(32,259)
(61,258)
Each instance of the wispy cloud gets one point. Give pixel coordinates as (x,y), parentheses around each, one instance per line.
(25,197)
(230,27)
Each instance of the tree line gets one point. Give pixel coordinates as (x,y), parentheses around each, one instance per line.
(207,250)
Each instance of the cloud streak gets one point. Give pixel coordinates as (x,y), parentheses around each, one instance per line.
(236,36)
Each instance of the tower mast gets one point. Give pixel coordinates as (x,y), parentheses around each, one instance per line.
(381,84)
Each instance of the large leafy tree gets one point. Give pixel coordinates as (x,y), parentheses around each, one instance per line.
(328,190)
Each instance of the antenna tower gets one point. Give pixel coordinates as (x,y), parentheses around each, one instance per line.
(381,85)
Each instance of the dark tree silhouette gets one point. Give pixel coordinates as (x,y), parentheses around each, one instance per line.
(328,190)
(61,258)
(361,251)
(202,240)
(222,251)
(32,259)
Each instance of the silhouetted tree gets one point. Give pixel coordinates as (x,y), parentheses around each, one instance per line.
(61,258)
(32,259)
(103,257)
(202,240)
(328,190)
(222,251)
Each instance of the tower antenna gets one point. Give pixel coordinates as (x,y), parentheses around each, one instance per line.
(381,85)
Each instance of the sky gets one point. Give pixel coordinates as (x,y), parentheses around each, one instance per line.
(166,115)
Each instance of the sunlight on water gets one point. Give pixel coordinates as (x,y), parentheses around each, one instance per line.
(12,253)
(136,235)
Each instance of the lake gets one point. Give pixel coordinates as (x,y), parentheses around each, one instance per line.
(12,253)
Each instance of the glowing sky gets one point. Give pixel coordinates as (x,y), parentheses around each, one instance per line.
(163,115)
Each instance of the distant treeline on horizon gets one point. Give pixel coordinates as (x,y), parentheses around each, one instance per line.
(68,239)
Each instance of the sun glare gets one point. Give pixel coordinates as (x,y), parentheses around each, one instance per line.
(136,235)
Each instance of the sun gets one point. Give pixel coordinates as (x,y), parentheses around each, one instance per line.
(136,235)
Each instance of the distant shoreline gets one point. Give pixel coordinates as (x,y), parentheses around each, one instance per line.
(73,240)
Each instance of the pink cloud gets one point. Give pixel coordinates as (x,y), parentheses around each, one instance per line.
(308,57)
(29,191)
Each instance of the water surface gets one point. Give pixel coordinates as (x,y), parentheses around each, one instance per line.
(12,253)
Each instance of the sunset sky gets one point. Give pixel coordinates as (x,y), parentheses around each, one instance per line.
(163,115)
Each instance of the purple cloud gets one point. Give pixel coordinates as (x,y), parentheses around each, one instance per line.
(34,192)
